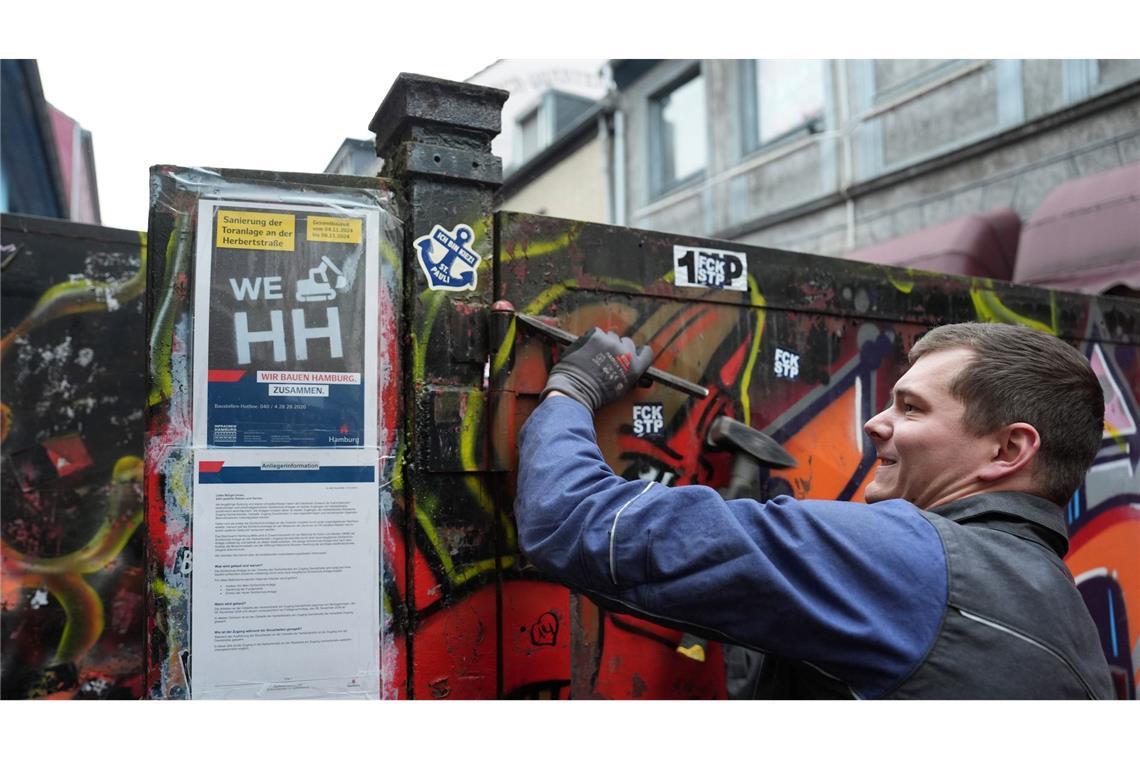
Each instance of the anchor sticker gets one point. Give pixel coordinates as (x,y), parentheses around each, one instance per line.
(447,258)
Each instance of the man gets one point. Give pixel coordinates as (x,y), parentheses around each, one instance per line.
(948,584)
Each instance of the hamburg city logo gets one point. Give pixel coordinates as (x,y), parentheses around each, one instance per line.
(447,258)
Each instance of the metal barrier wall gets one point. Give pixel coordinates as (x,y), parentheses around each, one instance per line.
(805,349)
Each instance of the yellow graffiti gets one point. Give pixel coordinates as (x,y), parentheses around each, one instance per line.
(424,504)
(1117,437)
(389,253)
(695,652)
(179,476)
(756,298)
(989,308)
(549,296)
(467,441)
(78,297)
(164,589)
(534,249)
(504,350)
(434,299)
(903,285)
(63,576)
(398,466)
(455,576)
(162,332)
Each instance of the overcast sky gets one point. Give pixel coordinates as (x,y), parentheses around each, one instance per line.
(286,114)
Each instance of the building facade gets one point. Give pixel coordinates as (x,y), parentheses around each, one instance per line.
(832,156)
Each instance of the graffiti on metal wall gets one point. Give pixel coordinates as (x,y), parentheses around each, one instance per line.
(821,425)
(167,474)
(810,376)
(71,358)
(1104,520)
(482,624)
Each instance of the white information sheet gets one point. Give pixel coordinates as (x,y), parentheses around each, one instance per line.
(285,581)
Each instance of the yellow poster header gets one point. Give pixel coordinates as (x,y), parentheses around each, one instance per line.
(256,230)
(334,229)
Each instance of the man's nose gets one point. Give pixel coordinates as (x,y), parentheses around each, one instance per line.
(878,426)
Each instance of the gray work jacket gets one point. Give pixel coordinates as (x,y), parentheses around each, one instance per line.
(1015,626)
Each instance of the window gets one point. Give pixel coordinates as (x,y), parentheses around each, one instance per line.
(528,136)
(536,129)
(909,111)
(787,97)
(678,136)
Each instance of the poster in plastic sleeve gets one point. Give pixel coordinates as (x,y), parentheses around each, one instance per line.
(285,574)
(285,325)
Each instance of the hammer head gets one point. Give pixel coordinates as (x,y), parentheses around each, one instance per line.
(731,435)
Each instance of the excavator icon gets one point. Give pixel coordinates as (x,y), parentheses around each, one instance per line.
(317,287)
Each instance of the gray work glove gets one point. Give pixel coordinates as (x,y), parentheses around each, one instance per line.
(598,368)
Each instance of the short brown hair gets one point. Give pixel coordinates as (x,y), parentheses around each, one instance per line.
(1019,374)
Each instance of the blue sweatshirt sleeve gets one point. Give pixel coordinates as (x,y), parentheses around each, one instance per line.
(855,590)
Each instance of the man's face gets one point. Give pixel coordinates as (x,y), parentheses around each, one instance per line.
(926,455)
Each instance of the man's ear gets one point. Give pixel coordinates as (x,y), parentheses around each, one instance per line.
(1015,447)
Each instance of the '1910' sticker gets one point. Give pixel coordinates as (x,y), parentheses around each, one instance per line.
(648,420)
(709,268)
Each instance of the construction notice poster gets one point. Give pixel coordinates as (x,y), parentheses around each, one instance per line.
(285,600)
(285,325)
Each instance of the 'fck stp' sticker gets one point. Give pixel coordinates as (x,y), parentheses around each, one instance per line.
(786,364)
(648,420)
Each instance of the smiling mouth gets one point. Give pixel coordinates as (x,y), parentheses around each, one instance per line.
(885,462)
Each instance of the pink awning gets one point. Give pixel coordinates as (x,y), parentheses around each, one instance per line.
(982,245)
(1085,235)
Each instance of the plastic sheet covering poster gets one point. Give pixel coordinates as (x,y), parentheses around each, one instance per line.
(286,572)
(285,325)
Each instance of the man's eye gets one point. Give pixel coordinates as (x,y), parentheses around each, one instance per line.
(909,408)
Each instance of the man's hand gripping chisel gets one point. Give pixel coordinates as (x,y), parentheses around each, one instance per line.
(558,335)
